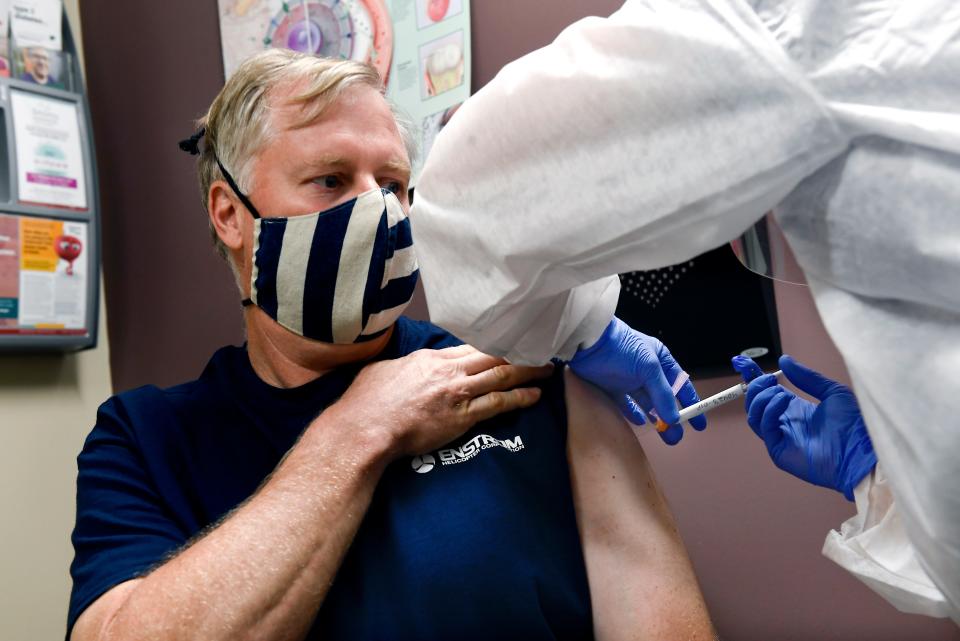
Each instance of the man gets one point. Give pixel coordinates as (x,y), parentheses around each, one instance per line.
(350,474)
(36,66)
(641,140)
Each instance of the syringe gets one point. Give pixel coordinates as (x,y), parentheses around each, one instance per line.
(708,404)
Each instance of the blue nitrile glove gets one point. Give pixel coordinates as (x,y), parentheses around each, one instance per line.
(637,371)
(823,443)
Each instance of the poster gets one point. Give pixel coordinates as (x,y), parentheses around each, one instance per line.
(430,72)
(44,272)
(420,47)
(50,168)
(355,29)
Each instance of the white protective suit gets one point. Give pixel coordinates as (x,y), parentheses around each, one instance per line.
(644,139)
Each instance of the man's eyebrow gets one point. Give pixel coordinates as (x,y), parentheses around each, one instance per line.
(331,161)
(401,166)
(328,161)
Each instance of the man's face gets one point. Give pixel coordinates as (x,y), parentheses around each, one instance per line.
(353,147)
(37,63)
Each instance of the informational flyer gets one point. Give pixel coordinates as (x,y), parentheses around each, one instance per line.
(37,23)
(9,271)
(43,276)
(420,47)
(50,168)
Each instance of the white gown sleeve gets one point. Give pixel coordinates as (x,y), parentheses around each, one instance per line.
(631,142)
(874,547)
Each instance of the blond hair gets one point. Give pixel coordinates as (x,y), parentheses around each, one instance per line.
(238,123)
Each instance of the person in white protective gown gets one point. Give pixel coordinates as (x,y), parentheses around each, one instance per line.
(646,138)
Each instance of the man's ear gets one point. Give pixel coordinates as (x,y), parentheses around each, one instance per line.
(225,215)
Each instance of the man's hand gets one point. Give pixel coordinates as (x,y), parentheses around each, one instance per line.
(637,372)
(825,444)
(430,397)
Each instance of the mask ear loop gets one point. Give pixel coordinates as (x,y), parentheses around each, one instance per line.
(191,145)
(233,185)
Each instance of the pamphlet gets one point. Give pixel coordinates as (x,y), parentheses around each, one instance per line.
(37,23)
(44,268)
(50,168)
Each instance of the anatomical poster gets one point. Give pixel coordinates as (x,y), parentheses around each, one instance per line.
(50,168)
(420,47)
(43,275)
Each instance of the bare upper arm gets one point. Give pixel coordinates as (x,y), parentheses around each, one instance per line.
(91,624)
(642,584)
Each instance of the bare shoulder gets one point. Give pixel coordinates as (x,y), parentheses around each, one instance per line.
(642,583)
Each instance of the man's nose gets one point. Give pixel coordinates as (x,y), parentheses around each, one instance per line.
(365,183)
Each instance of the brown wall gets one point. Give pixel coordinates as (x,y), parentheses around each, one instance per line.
(170,299)
(753,532)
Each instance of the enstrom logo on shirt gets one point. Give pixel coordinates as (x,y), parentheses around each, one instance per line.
(423,464)
(453,455)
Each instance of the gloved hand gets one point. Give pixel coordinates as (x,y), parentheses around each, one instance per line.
(823,443)
(637,371)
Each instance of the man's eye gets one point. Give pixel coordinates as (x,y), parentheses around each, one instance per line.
(393,186)
(330,182)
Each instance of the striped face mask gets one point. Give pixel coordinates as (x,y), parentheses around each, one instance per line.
(343,275)
(340,276)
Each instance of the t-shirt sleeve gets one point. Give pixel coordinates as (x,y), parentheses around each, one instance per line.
(122,528)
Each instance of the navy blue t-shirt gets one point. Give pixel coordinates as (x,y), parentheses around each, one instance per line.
(476,540)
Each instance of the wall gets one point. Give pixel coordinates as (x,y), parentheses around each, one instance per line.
(753,532)
(48,404)
(171,300)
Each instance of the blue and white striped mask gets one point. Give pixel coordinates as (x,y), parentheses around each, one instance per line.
(340,276)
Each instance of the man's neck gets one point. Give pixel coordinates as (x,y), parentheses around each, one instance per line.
(283,359)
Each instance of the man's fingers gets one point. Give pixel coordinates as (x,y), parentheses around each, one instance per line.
(476,362)
(494,403)
(503,377)
(458,351)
